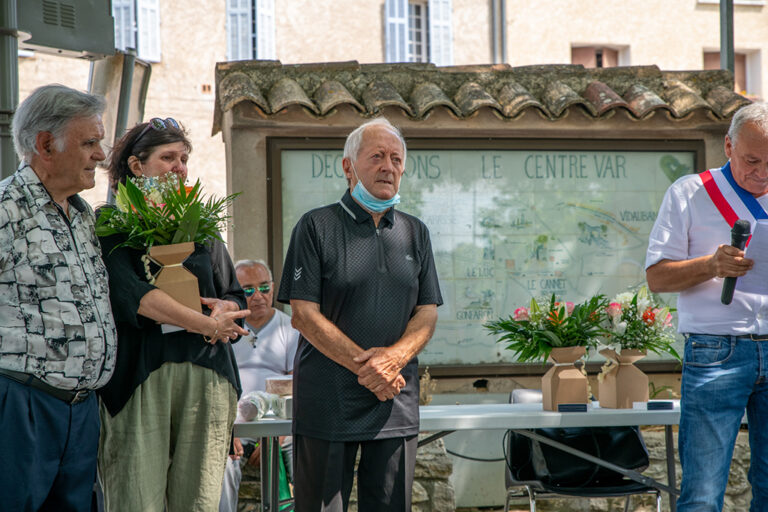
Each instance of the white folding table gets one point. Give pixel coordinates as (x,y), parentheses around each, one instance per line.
(442,420)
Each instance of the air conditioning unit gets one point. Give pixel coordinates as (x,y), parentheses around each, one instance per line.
(73,28)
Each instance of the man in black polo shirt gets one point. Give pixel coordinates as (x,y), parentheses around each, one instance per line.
(361,280)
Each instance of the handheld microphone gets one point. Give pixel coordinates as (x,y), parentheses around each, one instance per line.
(739,237)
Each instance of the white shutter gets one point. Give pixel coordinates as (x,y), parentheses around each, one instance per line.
(148,21)
(440,33)
(396,30)
(124,15)
(239,37)
(265,29)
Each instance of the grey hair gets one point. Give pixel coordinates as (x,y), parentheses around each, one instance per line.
(354,139)
(252,263)
(50,108)
(756,113)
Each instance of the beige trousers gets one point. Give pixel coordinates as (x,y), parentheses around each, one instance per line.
(167,448)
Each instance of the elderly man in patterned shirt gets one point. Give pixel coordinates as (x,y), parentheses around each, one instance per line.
(57,334)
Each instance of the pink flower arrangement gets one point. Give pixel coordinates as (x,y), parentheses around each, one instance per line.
(532,332)
(666,321)
(613,309)
(522,314)
(637,321)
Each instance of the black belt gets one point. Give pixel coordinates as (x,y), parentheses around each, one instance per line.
(754,337)
(71,397)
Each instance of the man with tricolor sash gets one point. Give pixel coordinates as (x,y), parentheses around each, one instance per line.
(725,365)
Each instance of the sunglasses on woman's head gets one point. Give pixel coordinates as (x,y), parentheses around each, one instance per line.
(262,288)
(159,125)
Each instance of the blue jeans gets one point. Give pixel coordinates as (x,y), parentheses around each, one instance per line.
(722,376)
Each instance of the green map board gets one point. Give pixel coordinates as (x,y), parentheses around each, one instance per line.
(508,225)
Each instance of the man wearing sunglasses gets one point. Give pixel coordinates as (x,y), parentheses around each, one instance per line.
(361,280)
(266,352)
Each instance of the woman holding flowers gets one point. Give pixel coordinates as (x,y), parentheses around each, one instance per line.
(168,411)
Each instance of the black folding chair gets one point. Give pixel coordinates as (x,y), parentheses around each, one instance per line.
(527,458)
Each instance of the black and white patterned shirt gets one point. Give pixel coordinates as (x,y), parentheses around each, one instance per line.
(55,317)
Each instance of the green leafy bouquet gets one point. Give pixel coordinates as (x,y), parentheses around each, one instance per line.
(162,211)
(534,331)
(639,321)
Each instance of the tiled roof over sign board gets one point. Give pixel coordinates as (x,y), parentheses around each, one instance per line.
(550,90)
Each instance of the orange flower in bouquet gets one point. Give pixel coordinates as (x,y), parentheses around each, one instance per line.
(534,331)
(163,211)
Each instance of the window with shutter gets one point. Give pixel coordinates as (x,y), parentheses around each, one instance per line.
(124,15)
(251,29)
(396,23)
(440,32)
(265,29)
(148,21)
(239,37)
(418,50)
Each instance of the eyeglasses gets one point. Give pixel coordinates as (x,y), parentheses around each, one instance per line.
(262,288)
(159,125)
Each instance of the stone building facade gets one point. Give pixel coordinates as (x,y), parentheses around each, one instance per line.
(193,38)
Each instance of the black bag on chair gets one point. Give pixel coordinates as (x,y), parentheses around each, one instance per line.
(531,460)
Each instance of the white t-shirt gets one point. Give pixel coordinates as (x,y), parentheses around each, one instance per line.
(688,226)
(267,353)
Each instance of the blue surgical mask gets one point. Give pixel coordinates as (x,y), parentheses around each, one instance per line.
(368,200)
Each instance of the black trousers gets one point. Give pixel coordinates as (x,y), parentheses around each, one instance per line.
(47,451)
(324,470)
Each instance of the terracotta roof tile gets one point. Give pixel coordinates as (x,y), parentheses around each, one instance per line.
(603,97)
(724,100)
(552,90)
(381,93)
(287,91)
(558,97)
(514,98)
(332,93)
(682,98)
(642,101)
(426,96)
(471,96)
(239,87)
